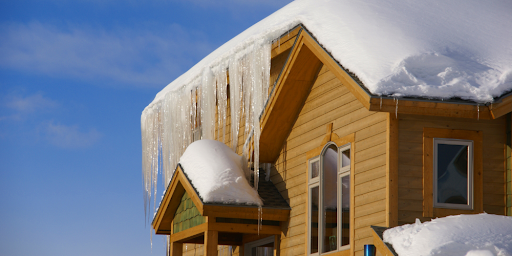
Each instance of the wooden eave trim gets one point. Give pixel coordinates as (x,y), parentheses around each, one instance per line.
(227,211)
(502,108)
(178,178)
(244,228)
(285,42)
(279,83)
(431,108)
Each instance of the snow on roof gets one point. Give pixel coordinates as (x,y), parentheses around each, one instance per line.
(216,173)
(430,49)
(470,235)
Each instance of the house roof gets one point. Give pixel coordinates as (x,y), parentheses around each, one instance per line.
(430,49)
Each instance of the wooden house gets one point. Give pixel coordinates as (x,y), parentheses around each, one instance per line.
(343,160)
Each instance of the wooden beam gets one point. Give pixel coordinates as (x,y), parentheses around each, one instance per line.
(192,232)
(277,245)
(162,222)
(211,242)
(392,171)
(404,106)
(226,211)
(244,228)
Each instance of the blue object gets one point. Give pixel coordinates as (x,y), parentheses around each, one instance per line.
(369,250)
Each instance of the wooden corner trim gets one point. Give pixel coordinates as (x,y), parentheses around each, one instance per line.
(379,244)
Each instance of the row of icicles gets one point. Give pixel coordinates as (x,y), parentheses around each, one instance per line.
(189,113)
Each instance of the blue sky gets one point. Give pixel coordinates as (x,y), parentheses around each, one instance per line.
(74,79)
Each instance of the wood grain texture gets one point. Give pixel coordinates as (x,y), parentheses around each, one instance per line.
(410,162)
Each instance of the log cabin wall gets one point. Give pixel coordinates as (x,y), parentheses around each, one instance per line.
(410,163)
(330,102)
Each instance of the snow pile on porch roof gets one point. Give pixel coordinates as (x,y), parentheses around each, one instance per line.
(470,235)
(430,49)
(216,173)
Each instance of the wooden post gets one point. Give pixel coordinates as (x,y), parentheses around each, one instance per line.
(277,245)
(211,241)
(176,249)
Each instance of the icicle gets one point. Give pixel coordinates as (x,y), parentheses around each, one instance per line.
(260,218)
(167,126)
(478,111)
(380,102)
(208,95)
(268,167)
(167,247)
(396,109)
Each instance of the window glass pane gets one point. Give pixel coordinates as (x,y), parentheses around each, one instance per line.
(314,219)
(452,174)
(345,158)
(315,168)
(345,210)
(330,201)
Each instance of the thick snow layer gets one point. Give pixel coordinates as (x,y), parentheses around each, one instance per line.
(441,49)
(464,235)
(216,173)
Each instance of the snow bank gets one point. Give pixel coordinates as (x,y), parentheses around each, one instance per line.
(216,173)
(464,235)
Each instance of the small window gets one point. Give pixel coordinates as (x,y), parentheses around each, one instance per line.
(453,172)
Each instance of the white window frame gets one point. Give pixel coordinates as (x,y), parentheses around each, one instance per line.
(470,184)
(318,182)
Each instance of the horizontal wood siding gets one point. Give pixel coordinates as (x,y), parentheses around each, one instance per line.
(330,101)
(410,161)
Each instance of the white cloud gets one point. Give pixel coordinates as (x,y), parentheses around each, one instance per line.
(69,136)
(29,104)
(127,56)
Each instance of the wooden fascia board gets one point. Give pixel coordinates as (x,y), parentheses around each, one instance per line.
(288,97)
(285,42)
(172,199)
(500,109)
(241,212)
(430,108)
(189,233)
(244,228)
(334,67)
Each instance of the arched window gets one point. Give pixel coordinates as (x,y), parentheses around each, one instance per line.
(329,200)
